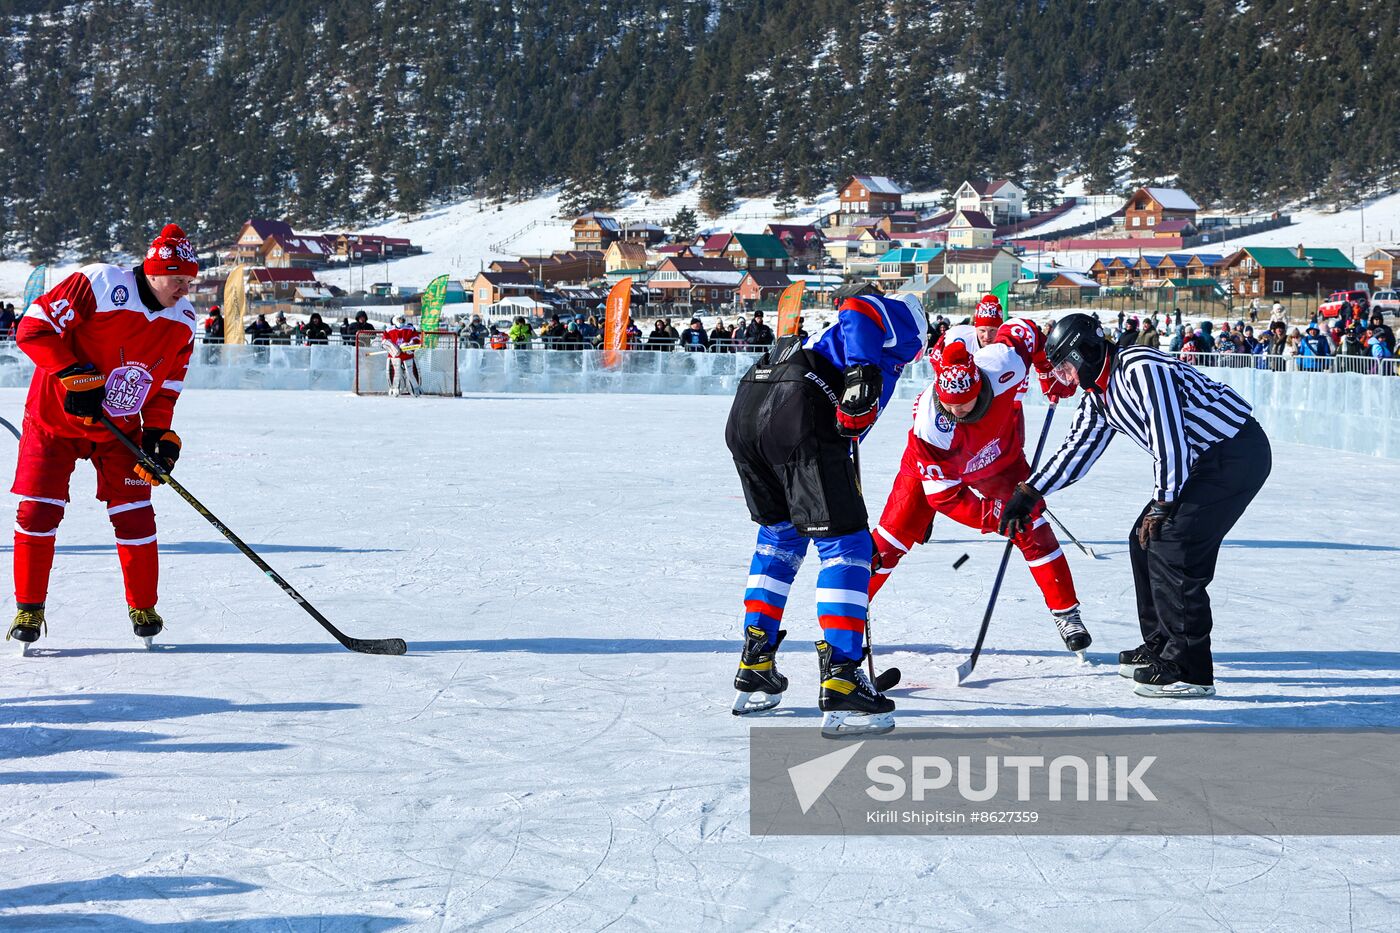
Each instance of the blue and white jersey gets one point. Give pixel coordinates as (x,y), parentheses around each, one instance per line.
(875,329)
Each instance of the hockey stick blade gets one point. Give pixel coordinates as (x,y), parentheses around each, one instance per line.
(964,670)
(376,645)
(888,679)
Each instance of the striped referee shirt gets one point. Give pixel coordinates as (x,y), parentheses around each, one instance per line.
(1166,406)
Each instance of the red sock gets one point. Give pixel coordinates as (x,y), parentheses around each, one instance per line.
(36,527)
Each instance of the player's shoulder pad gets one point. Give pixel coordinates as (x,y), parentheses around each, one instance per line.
(964,332)
(1002,366)
(932,426)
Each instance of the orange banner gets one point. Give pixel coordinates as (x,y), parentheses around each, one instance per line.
(615,323)
(790,308)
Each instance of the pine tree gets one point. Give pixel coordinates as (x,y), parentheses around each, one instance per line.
(684,224)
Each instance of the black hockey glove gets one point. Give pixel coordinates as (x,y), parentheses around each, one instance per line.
(860,401)
(163,446)
(1150,528)
(1019,509)
(85,389)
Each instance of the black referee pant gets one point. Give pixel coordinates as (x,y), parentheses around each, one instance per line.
(1172,573)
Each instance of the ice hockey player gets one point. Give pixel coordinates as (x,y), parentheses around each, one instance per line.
(114,341)
(964,457)
(790,431)
(1211,458)
(400,341)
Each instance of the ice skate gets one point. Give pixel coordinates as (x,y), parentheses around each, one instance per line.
(759,684)
(851,705)
(1076,637)
(146,624)
(1163,679)
(1130,661)
(28,625)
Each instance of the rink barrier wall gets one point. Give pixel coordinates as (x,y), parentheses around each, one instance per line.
(1344,411)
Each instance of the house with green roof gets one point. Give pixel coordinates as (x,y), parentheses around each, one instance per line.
(900,265)
(757,251)
(1265,272)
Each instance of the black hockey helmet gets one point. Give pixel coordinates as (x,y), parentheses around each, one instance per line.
(1079,340)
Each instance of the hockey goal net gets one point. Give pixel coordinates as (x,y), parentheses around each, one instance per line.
(436,361)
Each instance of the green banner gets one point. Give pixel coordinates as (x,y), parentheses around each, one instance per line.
(430,313)
(1003,293)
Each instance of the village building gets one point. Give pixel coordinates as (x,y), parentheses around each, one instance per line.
(249,242)
(490,288)
(278,284)
(1072,286)
(1264,272)
(1002,200)
(933,291)
(1383,268)
(867,196)
(900,265)
(595,231)
(283,251)
(760,285)
(756,251)
(695,281)
(803,242)
(1149,208)
(648,234)
(970,230)
(625,254)
(977,271)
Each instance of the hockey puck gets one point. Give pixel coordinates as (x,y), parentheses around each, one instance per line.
(959,562)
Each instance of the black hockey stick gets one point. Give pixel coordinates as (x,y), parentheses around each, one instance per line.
(889,678)
(1069,534)
(362,645)
(11,428)
(965,668)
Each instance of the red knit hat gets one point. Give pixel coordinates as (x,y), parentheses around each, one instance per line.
(171,254)
(959,379)
(988,313)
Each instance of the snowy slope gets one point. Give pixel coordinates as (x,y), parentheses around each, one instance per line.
(556,753)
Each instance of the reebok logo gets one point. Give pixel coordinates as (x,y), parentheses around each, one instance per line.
(811,778)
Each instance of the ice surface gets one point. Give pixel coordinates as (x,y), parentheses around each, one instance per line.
(557,751)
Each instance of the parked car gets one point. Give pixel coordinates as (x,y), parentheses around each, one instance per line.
(1333,305)
(1386,302)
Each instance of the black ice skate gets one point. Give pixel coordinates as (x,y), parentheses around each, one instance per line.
(851,705)
(1072,631)
(1130,661)
(758,673)
(1163,679)
(28,625)
(146,624)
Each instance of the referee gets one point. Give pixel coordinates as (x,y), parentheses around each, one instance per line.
(1211,456)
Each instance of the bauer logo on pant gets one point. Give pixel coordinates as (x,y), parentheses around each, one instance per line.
(127,388)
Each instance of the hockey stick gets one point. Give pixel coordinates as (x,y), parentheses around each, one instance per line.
(888,678)
(11,428)
(965,668)
(1068,534)
(362,645)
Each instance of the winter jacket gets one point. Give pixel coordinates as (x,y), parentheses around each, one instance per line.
(758,335)
(520,335)
(318,333)
(695,340)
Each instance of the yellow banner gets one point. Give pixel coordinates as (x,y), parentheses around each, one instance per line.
(235,305)
(790,308)
(615,323)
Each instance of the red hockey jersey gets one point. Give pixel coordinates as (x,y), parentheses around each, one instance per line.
(397,339)
(947,453)
(97,315)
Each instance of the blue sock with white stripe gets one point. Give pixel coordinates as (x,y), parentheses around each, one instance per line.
(776,559)
(842,592)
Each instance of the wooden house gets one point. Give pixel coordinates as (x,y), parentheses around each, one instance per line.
(1002,200)
(1148,208)
(1383,268)
(489,288)
(869,195)
(278,284)
(694,280)
(970,230)
(900,265)
(284,251)
(977,271)
(760,285)
(625,254)
(1263,272)
(756,251)
(803,242)
(255,231)
(595,231)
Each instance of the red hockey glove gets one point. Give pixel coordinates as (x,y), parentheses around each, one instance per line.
(1150,529)
(886,551)
(860,402)
(1020,510)
(162,446)
(1054,389)
(85,389)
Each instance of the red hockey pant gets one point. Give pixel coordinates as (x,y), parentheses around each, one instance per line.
(41,481)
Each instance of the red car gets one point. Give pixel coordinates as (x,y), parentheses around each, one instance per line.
(1332,307)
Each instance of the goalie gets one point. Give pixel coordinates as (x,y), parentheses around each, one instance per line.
(399,341)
